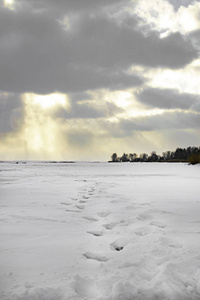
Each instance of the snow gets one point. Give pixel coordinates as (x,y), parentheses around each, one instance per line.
(99,231)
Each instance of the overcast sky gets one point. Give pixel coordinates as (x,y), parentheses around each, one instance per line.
(81,79)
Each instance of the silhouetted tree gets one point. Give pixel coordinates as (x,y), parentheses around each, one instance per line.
(180,154)
(135,156)
(153,157)
(191,154)
(194,158)
(124,158)
(166,155)
(130,156)
(114,157)
(143,157)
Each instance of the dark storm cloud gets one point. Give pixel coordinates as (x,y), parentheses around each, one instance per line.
(11,112)
(165,121)
(168,99)
(38,55)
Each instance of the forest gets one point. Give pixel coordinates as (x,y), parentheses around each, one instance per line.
(189,154)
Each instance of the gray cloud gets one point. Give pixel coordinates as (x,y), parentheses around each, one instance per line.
(195,37)
(11,112)
(83,111)
(38,55)
(61,7)
(88,111)
(177,3)
(168,99)
(166,121)
(80,96)
(120,47)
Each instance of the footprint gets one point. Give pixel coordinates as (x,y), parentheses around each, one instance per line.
(86,288)
(104,213)
(158,224)
(81,206)
(82,201)
(110,226)
(133,207)
(170,243)
(166,212)
(116,201)
(145,204)
(95,256)
(73,210)
(144,217)
(90,218)
(175,245)
(119,244)
(85,197)
(142,231)
(63,203)
(95,232)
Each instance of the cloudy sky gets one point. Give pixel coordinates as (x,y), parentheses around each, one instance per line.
(81,79)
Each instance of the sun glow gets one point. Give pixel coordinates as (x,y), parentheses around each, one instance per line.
(9,4)
(50,101)
(41,132)
(121,98)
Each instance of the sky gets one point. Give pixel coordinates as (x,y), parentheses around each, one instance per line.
(82,79)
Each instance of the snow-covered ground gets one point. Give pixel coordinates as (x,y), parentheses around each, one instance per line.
(99,231)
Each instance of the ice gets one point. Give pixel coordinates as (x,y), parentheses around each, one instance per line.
(99,231)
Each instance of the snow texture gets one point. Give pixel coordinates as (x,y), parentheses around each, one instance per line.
(99,231)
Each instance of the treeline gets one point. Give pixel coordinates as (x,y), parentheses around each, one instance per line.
(190,154)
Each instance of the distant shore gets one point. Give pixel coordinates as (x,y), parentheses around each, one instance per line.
(168,161)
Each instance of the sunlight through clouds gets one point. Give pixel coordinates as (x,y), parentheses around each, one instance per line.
(185,80)
(79,78)
(49,101)
(120,98)
(160,15)
(189,17)
(132,108)
(9,4)
(43,133)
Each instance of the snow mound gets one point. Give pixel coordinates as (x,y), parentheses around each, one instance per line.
(86,288)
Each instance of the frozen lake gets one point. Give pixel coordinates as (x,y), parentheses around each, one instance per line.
(99,231)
